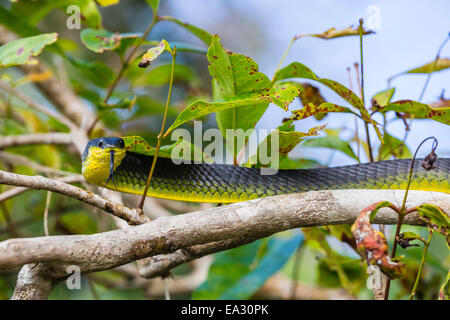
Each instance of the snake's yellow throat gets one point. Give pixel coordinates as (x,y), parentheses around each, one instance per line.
(96,162)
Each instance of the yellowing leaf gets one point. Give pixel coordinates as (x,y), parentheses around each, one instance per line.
(337,33)
(419,110)
(154,53)
(105,3)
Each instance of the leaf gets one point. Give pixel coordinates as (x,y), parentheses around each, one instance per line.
(99,40)
(90,13)
(436,218)
(372,245)
(203,35)
(21,51)
(154,53)
(337,33)
(287,141)
(419,110)
(298,70)
(332,142)
(382,98)
(96,71)
(200,107)
(233,275)
(188,150)
(313,110)
(105,3)
(404,239)
(236,75)
(154,4)
(311,94)
(441,64)
(287,163)
(393,147)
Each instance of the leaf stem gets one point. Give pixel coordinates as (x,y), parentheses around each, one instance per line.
(422,263)
(284,57)
(160,136)
(366,125)
(403,212)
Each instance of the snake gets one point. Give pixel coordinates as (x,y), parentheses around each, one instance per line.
(123,164)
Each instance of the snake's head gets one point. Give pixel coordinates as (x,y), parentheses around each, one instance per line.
(100,156)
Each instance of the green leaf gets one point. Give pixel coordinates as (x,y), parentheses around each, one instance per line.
(298,70)
(200,107)
(21,51)
(181,149)
(233,274)
(154,53)
(96,71)
(419,110)
(154,4)
(382,98)
(235,75)
(331,142)
(91,15)
(393,147)
(99,40)
(203,35)
(436,218)
(287,163)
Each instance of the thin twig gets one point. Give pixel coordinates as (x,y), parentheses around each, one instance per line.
(366,125)
(160,136)
(422,263)
(47,206)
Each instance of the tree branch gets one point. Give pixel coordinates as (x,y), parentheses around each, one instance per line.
(132,216)
(35,138)
(251,219)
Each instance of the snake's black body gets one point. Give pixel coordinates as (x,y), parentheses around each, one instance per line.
(227,183)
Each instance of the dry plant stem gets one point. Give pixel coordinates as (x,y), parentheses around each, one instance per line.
(350,83)
(422,93)
(403,212)
(422,263)
(132,216)
(161,133)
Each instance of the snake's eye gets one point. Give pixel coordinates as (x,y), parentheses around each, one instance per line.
(121,144)
(100,144)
